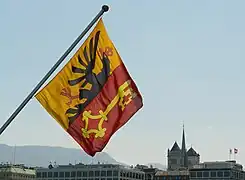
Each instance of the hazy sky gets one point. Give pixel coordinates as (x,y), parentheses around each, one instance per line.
(186,57)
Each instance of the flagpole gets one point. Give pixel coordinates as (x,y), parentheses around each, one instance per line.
(104,9)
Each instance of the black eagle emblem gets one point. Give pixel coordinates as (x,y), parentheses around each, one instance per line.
(96,81)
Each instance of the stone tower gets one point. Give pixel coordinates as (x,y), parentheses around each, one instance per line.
(193,157)
(174,157)
(181,158)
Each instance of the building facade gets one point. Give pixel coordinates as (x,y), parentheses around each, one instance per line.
(90,172)
(172,175)
(181,158)
(220,170)
(16,172)
(149,171)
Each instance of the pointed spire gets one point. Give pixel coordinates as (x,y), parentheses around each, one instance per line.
(183,149)
(183,139)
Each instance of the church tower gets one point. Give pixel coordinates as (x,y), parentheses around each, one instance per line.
(180,158)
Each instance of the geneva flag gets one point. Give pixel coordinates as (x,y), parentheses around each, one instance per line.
(93,95)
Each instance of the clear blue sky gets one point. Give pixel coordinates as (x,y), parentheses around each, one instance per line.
(187,58)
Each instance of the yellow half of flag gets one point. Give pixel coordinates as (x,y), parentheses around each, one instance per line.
(63,93)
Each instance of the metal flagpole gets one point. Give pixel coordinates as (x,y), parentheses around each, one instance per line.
(230,152)
(104,8)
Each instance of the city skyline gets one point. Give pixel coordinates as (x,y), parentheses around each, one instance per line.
(185,57)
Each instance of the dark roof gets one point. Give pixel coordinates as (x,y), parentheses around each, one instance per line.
(175,147)
(192,152)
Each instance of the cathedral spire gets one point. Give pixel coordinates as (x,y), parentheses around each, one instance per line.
(183,149)
(183,139)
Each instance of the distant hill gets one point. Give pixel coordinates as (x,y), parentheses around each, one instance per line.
(43,155)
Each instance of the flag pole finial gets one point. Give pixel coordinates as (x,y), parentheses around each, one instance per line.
(105,8)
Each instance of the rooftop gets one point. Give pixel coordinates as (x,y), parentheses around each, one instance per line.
(192,152)
(91,166)
(20,169)
(172,173)
(175,147)
(219,165)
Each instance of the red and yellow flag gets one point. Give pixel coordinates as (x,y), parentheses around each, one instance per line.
(93,95)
